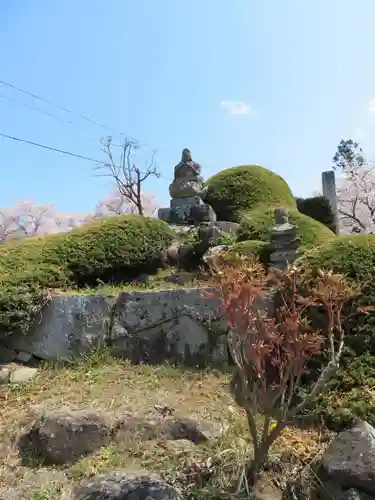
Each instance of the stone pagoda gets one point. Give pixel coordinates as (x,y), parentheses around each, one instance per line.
(187,191)
(284,241)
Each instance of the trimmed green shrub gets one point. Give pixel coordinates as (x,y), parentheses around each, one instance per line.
(259,249)
(109,250)
(351,391)
(257,224)
(317,208)
(236,190)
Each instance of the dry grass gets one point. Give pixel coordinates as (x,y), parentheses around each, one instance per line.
(114,388)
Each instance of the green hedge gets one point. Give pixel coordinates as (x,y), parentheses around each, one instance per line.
(257,224)
(253,248)
(351,392)
(318,208)
(109,250)
(236,190)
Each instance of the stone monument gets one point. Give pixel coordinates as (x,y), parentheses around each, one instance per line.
(284,241)
(329,192)
(187,191)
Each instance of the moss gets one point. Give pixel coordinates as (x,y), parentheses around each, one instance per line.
(259,249)
(257,224)
(108,250)
(234,191)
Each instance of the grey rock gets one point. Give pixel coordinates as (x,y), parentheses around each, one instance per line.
(70,326)
(328,490)
(214,253)
(350,458)
(203,213)
(167,428)
(187,188)
(23,357)
(354,494)
(7,355)
(189,201)
(209,234)
(121,485)
(169,324)
(228,227)
(22,374)
(62,438)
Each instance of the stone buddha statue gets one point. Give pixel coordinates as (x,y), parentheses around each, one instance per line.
(187,179)
(187,167)
(187,191)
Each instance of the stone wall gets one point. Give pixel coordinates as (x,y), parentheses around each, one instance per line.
(181,325)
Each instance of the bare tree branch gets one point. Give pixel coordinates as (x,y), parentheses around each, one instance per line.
(129,177)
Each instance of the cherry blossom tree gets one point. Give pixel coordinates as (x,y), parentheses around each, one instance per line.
(117,204)
(355,189)
(26,218)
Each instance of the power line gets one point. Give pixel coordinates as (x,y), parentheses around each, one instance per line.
(3,96)
(25,141)
(56,150)
(62,108)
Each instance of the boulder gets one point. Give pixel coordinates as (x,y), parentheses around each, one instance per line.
(168,325)
(350,458)
(169,428)
(354,494)
(62,438)
(70,325)
(121,485)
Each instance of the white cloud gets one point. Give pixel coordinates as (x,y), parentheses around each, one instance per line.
(238,108)
(371,105)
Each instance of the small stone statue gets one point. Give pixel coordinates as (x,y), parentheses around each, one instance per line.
(187,167)
(187,180)
(187,192)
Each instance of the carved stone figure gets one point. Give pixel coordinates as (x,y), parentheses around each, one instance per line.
(187,167)
(187,191)
(187,179)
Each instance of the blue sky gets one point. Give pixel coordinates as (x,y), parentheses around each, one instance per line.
(166,73)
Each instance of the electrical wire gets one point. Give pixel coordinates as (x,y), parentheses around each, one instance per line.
(62,108)
(62,151)
(33,108)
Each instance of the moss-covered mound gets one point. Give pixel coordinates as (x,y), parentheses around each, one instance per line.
(234,191)
(257,224)
(351,392)
(111,249)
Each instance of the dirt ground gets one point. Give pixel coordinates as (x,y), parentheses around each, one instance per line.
(114,388)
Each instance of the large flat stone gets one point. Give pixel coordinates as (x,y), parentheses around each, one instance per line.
(169,324)
(70,325)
